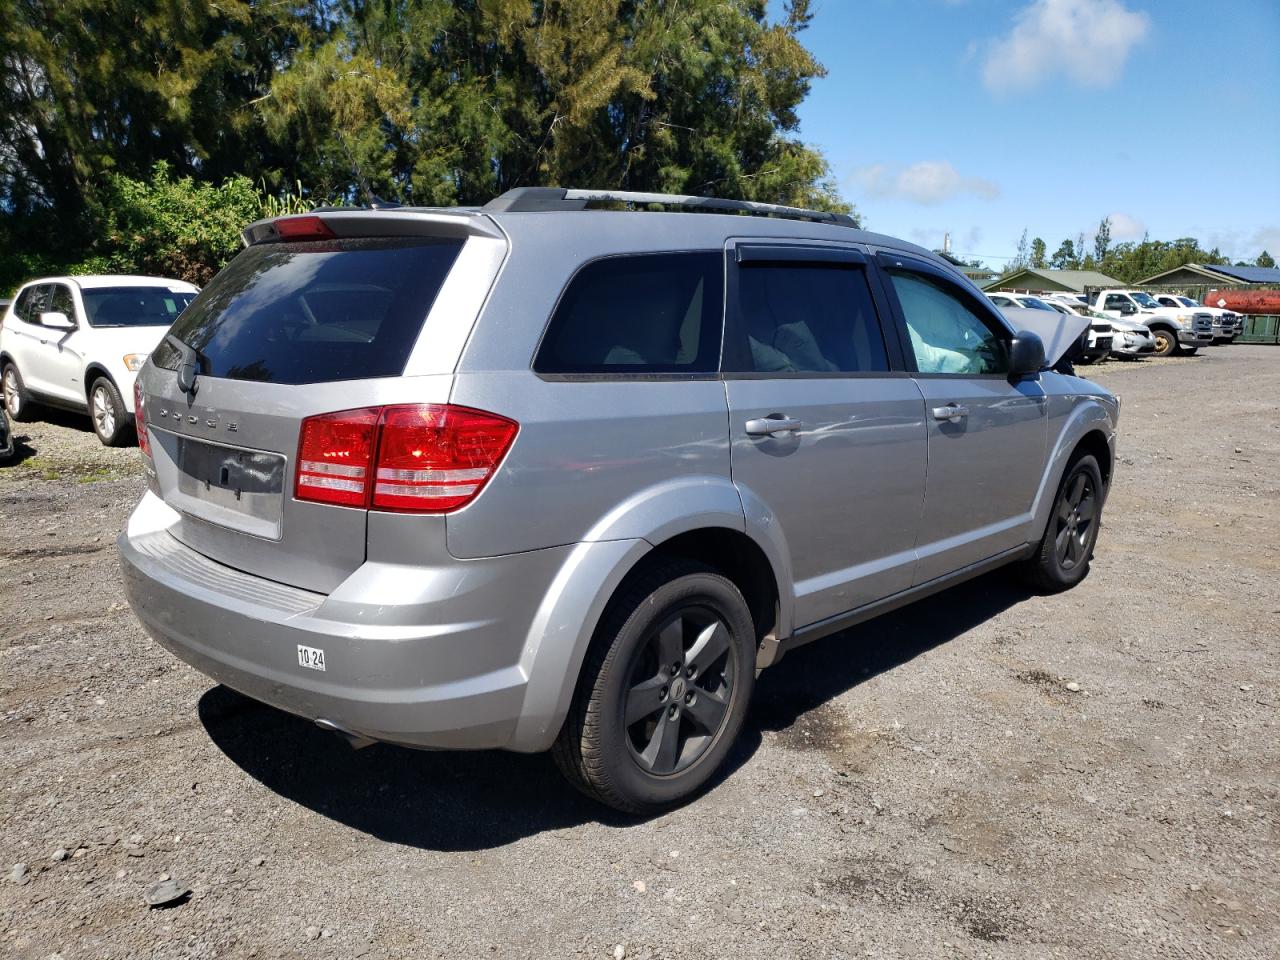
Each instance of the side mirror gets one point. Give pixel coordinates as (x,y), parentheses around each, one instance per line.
(1026,355)
(1127,309)
(57,320)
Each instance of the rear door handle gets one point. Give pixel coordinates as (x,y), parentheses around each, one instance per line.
(951,412)
(768,426)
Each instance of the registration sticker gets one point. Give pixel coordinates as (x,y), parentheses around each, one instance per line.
(310,657)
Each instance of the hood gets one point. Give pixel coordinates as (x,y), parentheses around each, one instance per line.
(1057,330)
(124,340)
(1133,326)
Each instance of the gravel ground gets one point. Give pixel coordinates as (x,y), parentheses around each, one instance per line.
(986,774)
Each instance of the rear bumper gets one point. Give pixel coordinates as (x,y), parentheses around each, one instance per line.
(438,669)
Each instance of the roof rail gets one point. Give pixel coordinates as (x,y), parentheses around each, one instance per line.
(529,199)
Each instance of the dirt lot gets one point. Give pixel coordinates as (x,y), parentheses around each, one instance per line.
(988,774)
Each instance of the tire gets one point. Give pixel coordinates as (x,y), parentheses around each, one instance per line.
(17,401)
(106,410)
(1062,558)
(1166,342)
(645,655)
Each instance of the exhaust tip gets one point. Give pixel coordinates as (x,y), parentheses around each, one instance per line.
(356,741)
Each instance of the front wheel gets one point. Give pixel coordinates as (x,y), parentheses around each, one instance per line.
(1062,559)
(106,407)
(664,691)
(1166,342)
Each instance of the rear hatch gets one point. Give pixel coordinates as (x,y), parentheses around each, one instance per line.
(290,329)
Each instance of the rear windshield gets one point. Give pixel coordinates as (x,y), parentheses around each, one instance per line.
(314,312)
(134,306)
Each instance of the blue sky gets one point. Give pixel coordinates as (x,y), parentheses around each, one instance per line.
(981,117)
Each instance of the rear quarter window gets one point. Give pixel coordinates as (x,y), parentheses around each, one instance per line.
(659,313)
(314,312)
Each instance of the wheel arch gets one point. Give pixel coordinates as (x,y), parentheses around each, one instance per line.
(1088,426)
(564,626)
(92,371)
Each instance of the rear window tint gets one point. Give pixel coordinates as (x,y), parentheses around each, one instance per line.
(314,312)
(642,314)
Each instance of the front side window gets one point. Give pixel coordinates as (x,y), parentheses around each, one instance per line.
(808,318)
(60,301)
(1115,301)
(946,335)
(134,306)
(642,314)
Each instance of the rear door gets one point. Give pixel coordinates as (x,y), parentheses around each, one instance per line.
(286,331)
(987,434)
(828,440)
(25,333)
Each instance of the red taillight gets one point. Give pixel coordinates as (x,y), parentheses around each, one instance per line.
(303,228)
(140,419)
(334,455)
(420,458)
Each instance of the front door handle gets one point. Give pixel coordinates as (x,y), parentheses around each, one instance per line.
(768,426)
(951,412)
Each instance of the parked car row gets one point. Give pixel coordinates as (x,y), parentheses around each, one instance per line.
(1132,323)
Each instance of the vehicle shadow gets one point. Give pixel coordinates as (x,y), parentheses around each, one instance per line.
(22,450)
(455,801)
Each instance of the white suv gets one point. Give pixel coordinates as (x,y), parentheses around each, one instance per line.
(77,342)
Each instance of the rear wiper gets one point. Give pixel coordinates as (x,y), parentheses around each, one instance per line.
(189,366)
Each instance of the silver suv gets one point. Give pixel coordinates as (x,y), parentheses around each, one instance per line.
(544,476)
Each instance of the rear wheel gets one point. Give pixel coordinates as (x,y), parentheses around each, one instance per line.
(17,402)
(106,407)
(1166,342)
(664,691)
(1066,548)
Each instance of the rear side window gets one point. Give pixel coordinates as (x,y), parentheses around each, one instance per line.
(808,318)
(31,304)
(314,312)
(643,314)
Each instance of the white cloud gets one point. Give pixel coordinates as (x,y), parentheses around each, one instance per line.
(1125,227)
(1087,40)
(928,182)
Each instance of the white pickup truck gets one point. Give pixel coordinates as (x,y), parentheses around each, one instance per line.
(1176,330)
(1227,324)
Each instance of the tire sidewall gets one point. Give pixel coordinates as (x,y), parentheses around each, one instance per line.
(705,590)
(19,393)
(117,406)
(1167,337)
(1049,562)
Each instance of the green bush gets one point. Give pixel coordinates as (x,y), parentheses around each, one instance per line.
(167,227)
(176,228)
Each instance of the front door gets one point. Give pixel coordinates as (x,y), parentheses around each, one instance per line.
(62,351)
(828,443)
(987,433)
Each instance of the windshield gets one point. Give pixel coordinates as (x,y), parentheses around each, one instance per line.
(1035,303)
(1145,300)
(134,306)
(1187,302)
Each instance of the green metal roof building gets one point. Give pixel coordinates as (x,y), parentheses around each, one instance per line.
(1046,280)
